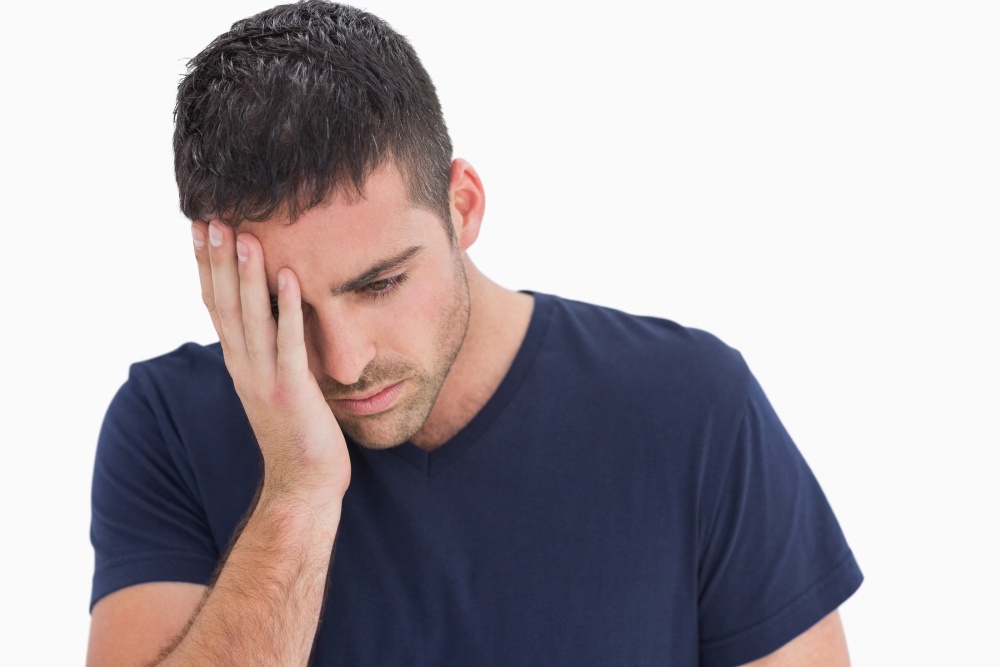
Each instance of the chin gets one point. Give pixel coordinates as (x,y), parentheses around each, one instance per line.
(384,430)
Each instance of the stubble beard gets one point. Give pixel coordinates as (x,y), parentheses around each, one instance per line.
(405,419)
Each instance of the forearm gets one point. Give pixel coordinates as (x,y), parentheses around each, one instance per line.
(264,607)
(265,604)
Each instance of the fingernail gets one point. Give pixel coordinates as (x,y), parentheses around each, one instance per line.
(199,238)
(281,282)
(241,251)
(214,235)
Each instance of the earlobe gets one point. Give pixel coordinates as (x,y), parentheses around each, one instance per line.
(468,202)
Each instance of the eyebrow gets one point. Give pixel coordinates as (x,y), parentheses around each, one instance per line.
(372,273)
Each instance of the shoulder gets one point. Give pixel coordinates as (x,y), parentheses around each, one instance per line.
(180,392)
(192,373)
(175,468)
(188,365)
(648,356)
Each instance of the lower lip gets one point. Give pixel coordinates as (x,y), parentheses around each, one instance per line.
(373,404)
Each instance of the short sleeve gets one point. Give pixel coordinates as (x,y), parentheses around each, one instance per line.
(773,559)
(147,523)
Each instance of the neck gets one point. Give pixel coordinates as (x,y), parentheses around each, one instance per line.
(498,321)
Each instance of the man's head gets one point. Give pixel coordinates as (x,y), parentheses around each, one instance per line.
(314,130)
(298,101)
(385,299)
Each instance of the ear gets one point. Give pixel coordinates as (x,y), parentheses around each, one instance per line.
(468,202)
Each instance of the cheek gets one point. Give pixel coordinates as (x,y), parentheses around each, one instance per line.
(413,321)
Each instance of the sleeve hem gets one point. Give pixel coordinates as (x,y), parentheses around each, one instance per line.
(162,566)
(768,636)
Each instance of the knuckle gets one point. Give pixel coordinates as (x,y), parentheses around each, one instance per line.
(257,336)
(253,350)
(281,395)
(226,308)
(209,301)
(286,368)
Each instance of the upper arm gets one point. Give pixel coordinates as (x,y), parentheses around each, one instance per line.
(130,627)
(822,645)
(773,561)
(148,524)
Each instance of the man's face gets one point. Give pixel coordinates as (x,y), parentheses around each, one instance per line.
(385,304)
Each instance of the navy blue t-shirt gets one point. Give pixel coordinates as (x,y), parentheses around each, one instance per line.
(627,497)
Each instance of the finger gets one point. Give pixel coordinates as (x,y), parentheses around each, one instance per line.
(259,328)
(226,292)
(292,361)
(199,234)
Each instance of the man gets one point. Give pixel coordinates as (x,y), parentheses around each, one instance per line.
(390,459)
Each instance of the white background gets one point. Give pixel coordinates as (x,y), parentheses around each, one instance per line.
(816,183)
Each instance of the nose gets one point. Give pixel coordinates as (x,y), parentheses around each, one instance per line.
(342,348)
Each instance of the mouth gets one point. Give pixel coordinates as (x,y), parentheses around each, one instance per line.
(373,403)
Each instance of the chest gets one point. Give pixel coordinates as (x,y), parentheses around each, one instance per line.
(531,563)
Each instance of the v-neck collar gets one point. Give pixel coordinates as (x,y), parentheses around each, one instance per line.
(433,462)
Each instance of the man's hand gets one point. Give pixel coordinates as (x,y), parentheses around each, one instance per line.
(302,444)
(264,607)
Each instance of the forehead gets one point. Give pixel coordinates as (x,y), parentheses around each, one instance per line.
(339,239)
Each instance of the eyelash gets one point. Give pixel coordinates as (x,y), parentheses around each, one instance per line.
(391,285)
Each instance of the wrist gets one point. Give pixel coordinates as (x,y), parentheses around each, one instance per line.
(309,486)
(299,507)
